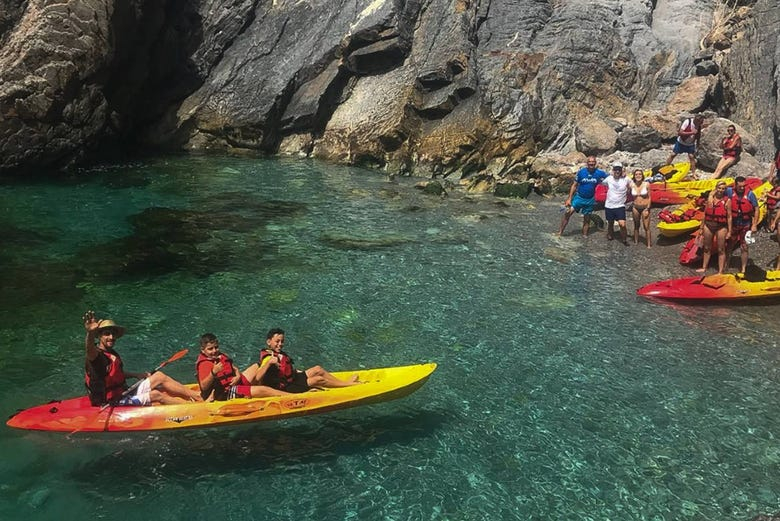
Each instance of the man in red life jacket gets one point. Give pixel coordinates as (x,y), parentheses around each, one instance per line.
(278,372)
(217,374)
(744,215)
(106,378)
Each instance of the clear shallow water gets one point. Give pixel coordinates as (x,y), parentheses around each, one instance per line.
(559,393)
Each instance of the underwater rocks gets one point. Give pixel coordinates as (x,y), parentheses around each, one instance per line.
(225,234)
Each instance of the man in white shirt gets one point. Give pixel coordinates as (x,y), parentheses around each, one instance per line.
(688,141)
(615,204)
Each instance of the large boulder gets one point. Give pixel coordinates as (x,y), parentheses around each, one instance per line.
(710,152)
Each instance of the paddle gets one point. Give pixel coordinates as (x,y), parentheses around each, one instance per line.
(176,356)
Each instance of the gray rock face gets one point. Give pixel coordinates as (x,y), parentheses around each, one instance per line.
(427,87)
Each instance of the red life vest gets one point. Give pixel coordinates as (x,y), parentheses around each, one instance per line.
(280,375)
(224,377)
(717,212)
(109,386)
(741,207)
(729,146)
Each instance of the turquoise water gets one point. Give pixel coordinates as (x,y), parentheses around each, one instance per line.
(559,393)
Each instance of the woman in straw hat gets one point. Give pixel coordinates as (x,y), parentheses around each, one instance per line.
(106,378)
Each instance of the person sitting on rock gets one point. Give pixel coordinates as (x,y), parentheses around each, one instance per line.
(732,148)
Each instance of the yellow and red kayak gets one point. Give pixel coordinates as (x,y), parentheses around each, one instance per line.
(684,191)
(685,220)
(728,287)
(77,415)
(671,173)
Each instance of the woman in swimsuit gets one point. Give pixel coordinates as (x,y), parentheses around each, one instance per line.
(732,148)
(773,203)
(717,224)
(640,189)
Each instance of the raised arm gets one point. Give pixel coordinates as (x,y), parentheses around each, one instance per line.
(90,324)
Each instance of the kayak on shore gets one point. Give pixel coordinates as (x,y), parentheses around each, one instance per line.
(78,415)
(755,284)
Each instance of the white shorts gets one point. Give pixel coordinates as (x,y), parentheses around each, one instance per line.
(141,396)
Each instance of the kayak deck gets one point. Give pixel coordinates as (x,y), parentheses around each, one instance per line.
(76,414)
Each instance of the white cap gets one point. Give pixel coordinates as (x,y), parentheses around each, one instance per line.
(617,164)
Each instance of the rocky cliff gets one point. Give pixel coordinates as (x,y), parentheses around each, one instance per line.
(508,88)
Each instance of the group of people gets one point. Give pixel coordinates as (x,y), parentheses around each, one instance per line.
(218,377)
(729,214)
(621,191)
(687,142)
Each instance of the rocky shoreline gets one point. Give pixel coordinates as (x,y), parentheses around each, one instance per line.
(491,91)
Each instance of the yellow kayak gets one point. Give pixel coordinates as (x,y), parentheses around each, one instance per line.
(77,415)
(687,218)
(672,173)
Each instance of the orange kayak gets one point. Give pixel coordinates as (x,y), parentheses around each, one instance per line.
(76,414)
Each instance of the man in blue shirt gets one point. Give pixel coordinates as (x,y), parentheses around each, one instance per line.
(582,195)
(744,216)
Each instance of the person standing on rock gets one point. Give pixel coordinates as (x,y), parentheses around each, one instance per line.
(716,224)
(582,195)
(688,141)
(640,210)
(744,217)
(615,204)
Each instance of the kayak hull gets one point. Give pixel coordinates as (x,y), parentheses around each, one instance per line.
(725,287)
(677,229)
(77,415)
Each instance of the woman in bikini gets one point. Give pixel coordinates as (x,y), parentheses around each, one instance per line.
(773,204)
(732,148)
(640,189)
(717,224)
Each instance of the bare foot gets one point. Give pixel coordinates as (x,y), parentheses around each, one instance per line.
(700,270)
(355,379)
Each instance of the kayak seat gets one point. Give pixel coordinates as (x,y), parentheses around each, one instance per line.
(754,274)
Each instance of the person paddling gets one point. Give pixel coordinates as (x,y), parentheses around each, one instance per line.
(106,379)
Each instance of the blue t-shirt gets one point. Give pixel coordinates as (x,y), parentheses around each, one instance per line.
(587,182)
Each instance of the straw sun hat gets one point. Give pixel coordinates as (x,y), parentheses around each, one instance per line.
(119,331)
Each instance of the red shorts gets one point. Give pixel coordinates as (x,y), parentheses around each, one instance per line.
(242,390)
(738,233)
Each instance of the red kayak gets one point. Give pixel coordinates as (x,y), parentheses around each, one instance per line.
(692,252)
(755,284)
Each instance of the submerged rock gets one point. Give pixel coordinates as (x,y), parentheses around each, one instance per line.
(351,242)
